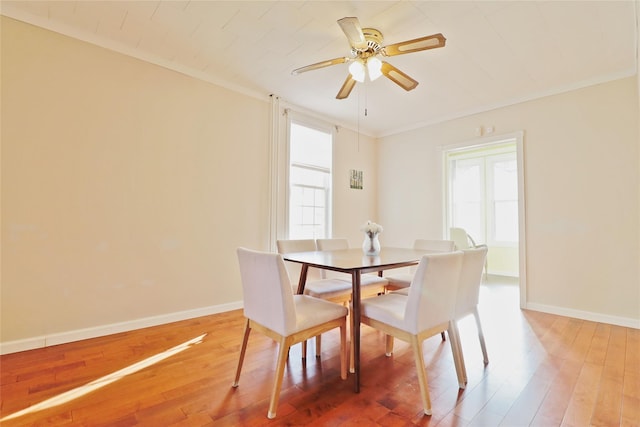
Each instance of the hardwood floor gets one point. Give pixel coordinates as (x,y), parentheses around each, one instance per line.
(544,370)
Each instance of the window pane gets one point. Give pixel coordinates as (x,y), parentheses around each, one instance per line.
(308,197)
(319,198)
(309,182)
(311,147)
(307,215)
(306,176)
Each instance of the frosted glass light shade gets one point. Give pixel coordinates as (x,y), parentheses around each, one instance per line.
(373,66)
(357,71)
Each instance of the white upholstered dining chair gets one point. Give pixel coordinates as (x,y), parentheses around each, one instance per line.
(271,307)
(403,280)
(426,310)
(335,290)
(463,240)
(469,293)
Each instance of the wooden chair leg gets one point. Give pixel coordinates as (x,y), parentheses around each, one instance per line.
(343,350)
(243,349)
(458,357)
(481,336)
(304,349)
(352,352)
(442,335)
(277,385)
(388,345)
(422,374)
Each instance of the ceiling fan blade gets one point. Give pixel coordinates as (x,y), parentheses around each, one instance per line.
(415,45)
(346,88)
(353,31)
(322,64)
(398,77)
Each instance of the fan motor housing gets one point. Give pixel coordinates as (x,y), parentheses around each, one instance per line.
(374,40)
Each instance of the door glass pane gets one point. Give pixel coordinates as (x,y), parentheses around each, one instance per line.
(505,180)
(467,196)
(506,221)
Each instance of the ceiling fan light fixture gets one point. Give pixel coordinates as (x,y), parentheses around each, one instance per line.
(365,56)
(357,71)
(374,66)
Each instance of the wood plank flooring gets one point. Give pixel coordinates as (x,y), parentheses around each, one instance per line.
(544,370)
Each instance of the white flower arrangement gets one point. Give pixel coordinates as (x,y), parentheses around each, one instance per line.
(371,228)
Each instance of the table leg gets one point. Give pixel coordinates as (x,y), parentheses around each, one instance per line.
(303,278)
(355,326)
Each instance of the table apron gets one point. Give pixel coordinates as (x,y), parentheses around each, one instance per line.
(361,269)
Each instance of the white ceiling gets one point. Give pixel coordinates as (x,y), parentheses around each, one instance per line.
(497,52)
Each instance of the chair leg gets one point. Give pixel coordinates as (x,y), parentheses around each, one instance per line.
(481,336)
(318,346)
(443,337)
(388,345)
(458,357)
(243,349)
(343,351)
(277,384)
(352,352)
(422,374)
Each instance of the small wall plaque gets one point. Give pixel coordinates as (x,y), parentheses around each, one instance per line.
(356,179)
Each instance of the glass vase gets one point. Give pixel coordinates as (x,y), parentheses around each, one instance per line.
(371,244)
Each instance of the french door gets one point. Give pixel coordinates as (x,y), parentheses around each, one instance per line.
(483,198)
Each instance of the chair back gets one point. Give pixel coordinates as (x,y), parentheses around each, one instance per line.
(460,238)
(433,291)
(434,245)
(431,245)
(332,244)
(306,245)
(470,279)
(267,294)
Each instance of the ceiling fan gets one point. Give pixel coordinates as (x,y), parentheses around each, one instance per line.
(366,47)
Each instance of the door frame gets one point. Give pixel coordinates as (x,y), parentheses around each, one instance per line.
(518,137)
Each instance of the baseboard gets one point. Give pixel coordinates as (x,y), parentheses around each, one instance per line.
(586,315)
(114,328)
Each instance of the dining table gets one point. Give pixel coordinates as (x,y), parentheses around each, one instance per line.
(355,263)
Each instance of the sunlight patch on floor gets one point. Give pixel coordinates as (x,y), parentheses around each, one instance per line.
(104,381)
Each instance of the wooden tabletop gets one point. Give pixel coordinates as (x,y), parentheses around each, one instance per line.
(348,260)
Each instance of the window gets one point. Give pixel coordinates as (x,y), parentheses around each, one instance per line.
(310,154)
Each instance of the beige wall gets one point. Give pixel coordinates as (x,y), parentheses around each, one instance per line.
(581,176)
(354,207)
(126,188)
